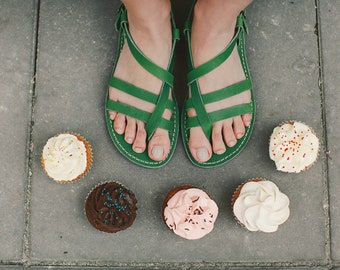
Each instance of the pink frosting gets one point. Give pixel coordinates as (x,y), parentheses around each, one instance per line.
(191,213)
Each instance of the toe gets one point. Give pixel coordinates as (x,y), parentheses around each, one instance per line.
(228,133)
(130,130)
(199,145)
(246,119)
(217,139)
(120,123)
(238,126)
(112,115)
(139,144)
(159,145)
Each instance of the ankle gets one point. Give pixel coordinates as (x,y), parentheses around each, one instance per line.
(151,20)
(216,16)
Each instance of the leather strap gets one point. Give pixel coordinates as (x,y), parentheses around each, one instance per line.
(162,102)
(198,101)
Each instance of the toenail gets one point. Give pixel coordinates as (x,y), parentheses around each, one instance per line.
(129,140)
(138,150)
(202,154)
(157,152)
(239,135)
(232,143)
(220,152)
(119,131)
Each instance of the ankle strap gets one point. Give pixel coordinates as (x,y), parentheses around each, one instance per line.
(122,26)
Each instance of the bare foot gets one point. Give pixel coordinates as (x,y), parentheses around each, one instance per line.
(207,42)
(154,40)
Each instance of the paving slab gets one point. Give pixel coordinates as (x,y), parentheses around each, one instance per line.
(191,268)
(11,267)
(329,17)
(76,268)
(76,50)
(16,40)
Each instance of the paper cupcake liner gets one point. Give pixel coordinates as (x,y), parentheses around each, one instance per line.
(291,122)
(89,158)
(98,185)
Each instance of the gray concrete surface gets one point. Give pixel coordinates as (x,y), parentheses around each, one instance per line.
(330,12)
(17,34)
(45,226)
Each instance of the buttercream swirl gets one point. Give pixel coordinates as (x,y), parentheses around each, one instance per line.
(261,206)
(64,157)
(293,147)
(191,213)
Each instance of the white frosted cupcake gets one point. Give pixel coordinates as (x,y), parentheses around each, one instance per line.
(293,146)
(259,205)
(66,157)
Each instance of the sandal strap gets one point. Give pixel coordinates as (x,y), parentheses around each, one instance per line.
(222,114)
(138,114)
(221,94)
(133,90)
(198,101)
(162,102)
(143,60)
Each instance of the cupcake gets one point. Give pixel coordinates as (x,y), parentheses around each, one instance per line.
(189,212)
(110,207)
(66,157)
(258,205)
(293,147)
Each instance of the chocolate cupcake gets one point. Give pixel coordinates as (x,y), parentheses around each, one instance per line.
(189,212)
(110,207)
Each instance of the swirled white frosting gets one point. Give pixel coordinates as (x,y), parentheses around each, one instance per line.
(64,157)
(293,147)
(261,206)
(191,213)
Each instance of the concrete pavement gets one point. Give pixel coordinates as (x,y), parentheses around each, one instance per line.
(56,58)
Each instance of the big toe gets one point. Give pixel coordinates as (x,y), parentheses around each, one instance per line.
(159,145)
(199,145)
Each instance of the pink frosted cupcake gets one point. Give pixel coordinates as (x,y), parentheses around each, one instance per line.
(294,147)
(189,212)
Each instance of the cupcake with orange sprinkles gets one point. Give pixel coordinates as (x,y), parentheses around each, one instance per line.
(66,157)
(294,147)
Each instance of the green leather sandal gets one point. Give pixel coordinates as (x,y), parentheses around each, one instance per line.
(162,101)
(198,101)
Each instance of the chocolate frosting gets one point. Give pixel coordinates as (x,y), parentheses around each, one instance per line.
(111,207)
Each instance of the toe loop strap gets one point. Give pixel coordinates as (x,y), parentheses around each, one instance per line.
(223,114)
